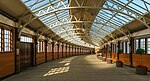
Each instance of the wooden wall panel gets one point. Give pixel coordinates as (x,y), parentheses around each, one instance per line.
(60,51)
(124,58)
(136,59)
(49,56)
(77,51)
(68,52)
(71,51)
(49,52)
(65,51)
(40,57)
(114,56)
(83,51)
(55,52)
(7,64)
(145,60)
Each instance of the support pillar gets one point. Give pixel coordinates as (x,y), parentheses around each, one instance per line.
(111,50)
(58,51)
(45,50)
(69,51)
(53,50)
(80,50)
(131,46)
(66,51)
(72,50)
(118,49)
(62,51)
(75,50)
(17,56)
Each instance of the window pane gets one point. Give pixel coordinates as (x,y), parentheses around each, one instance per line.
(117,48)
(38,47)
(136,45)
(41,46)
(6,40)
(124,50)
(121,45)
(142,44)
(128,48)
(25,39)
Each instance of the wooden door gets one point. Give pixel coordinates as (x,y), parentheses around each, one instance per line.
(26,55)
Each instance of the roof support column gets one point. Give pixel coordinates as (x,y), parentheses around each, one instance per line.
(118,49)
(62,50)
(66,51)
(58,50)
(131,45)
(53,50)
(45,50)
(111,50)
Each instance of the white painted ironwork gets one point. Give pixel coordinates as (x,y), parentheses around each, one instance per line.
(115,8)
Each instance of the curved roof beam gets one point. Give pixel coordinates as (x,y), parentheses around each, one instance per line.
(72,22)
(66,7)
(76,7)
(128,9)
(105,31)
(67,38)
(83,33)
(48,11)
(70,30)
(113,15)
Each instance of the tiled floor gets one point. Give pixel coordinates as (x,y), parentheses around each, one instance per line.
(78,68)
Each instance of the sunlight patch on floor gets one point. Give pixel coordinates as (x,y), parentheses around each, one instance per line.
(55,71)
(58,70)
(68,60)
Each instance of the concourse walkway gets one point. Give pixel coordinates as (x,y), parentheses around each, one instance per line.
(78,68)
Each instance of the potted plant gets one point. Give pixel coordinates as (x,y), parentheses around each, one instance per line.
(141,69)
(119,63)
(109,60)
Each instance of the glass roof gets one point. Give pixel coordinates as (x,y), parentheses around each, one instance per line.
(53,20)
(112,15)
(108,20)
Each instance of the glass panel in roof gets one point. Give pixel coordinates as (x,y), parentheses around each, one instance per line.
(114,15)
(107,18)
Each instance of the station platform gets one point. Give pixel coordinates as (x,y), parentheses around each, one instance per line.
(78,68)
